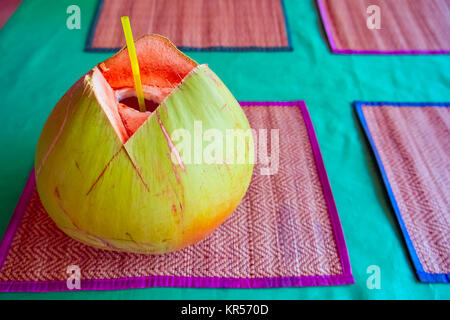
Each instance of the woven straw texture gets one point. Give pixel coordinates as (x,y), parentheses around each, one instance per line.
(195,24)
(413,145)
(286,232)
(407,26)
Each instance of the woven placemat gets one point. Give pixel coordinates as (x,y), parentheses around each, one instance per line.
(286,231)
(406,26)
(7,9)
(411,142)
(232,25)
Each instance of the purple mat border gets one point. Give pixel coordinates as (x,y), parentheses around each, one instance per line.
(335,49)
(195,282)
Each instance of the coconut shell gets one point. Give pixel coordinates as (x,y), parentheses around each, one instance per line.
(132,191)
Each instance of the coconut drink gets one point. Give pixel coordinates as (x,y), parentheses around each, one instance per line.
(116,177)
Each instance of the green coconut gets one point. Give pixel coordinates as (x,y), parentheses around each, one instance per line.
(113,177)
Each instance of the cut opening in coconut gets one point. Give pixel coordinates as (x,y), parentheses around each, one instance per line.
(129,111)
(153,97)
(133,103)
(162,68)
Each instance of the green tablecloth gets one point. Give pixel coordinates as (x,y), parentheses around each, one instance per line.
(40,59)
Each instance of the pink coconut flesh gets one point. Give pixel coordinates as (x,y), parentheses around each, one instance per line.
(132,118)
(162,67)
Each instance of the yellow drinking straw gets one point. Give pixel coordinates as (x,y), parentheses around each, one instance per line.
(134,62)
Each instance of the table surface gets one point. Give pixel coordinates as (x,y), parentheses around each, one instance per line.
(40,59)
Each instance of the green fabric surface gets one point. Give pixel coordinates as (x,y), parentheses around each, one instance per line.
(40,59)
